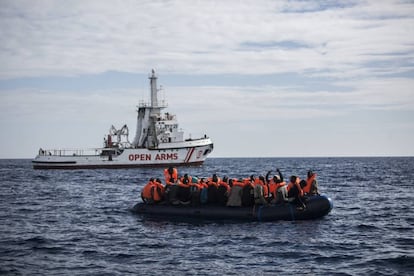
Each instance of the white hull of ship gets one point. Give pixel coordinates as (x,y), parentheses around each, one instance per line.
(129,158)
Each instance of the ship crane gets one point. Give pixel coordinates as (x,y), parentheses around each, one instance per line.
(119,134)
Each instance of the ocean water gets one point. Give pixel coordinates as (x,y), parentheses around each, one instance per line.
(79,223)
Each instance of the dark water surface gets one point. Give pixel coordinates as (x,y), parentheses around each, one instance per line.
(78,222)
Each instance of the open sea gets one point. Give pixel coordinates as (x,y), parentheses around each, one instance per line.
(79,222)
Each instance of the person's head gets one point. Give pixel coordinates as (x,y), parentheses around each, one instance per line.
(302,183)
(293,179)
(170,170)
(276,179)
(310,173)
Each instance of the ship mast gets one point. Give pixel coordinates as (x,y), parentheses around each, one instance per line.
(148,115)
(154,90)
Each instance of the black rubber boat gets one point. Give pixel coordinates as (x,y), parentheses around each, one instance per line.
(316,207)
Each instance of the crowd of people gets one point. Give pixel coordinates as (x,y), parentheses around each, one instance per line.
(233,192)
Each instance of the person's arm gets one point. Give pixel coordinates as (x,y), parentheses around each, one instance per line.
(267,176)
(280,175)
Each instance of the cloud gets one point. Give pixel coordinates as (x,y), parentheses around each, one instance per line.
(205,37)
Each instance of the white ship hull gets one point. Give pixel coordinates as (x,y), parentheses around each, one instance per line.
(189,153)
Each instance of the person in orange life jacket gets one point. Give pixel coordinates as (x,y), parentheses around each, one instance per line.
(248,180)
(223,191)
(260,191)
(262,181)
(277,187)
(160,188)
(235,195)
(203,191)
(272,181)
(171,175)
(278,172)
(248,191)
(203,183)
(194,184)
(280,190)
(214,179)
(195,190)
(146,193)
(212,191)
(225,183)
(311,187)
(183,192)
(152,192)
(295,192)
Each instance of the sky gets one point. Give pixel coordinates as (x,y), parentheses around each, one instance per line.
(261,78)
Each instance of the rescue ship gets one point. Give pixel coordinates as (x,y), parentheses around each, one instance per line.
(158,142)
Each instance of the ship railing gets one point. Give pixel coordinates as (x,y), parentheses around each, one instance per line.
(160,104)
(71,152)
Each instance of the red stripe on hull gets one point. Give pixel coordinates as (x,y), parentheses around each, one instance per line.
(189,154)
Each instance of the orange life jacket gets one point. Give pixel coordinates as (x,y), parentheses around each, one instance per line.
(224,184)
(170,178)
(152,191)
(290,186)
(247,181)
(203,184)
(273,187)
(211,182)
(257,181)
(309,182)
(146,191)
(236,182)
(158,191)
(183,182)
(197,186)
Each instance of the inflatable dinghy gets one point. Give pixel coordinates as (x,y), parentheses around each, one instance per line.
(316,207)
